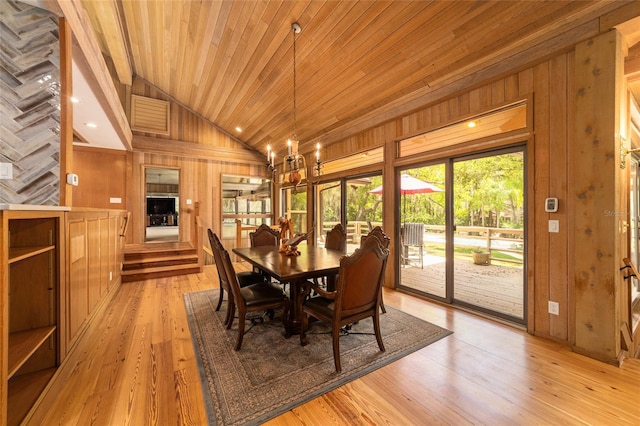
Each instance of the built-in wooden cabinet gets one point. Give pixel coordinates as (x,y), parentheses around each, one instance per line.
(31,279)
(59,267)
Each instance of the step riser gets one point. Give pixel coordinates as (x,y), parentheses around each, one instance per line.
(154,255)
(162,274)
(156,264)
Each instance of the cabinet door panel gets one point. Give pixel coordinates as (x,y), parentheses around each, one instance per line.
(77,272)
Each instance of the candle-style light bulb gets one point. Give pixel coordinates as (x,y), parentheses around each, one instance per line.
(268,153)
(289,146)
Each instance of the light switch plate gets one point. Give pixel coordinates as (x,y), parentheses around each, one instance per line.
(6,171)
(554,226)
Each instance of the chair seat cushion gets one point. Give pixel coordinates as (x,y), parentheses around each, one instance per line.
(320,305)
(262,293)
(246,278)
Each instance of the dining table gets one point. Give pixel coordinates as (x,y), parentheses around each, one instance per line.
(311,262)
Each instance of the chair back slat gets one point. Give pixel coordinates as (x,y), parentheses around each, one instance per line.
(413,234)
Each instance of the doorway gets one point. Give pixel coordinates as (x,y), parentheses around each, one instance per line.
(462,235)
(162,203)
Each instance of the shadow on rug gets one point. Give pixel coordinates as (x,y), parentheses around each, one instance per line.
(271,375)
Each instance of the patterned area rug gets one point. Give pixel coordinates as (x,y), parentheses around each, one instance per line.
(271,375)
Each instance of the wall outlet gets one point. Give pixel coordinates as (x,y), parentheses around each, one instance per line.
(554,308)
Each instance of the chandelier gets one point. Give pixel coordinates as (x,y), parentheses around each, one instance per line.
(293,161)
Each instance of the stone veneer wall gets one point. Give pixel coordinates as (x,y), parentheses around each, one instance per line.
(29,104)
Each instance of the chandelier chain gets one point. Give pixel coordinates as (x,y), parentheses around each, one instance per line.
(294,86)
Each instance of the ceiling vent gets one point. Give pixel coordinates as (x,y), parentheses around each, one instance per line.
(149,115)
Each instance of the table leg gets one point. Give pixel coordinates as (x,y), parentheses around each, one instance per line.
(297,293)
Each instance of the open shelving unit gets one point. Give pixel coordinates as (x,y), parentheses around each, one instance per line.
(30,320)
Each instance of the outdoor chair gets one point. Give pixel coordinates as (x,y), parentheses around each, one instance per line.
(412,236)
(384,241)
(245,278)
(357,295)
(252,298)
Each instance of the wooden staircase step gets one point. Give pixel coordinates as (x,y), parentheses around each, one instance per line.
(153,254)
(159,272)
(159,261)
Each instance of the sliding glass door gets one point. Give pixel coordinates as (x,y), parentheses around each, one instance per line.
(488,242)
(462,237)
(423,240)
(351,202)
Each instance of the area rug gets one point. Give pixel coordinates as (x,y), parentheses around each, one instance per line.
(271,375)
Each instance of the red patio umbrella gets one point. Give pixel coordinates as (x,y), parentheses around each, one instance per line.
(411,185)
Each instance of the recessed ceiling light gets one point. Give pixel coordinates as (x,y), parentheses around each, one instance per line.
(471,124)
(92,125)
(75,100)
(239,129)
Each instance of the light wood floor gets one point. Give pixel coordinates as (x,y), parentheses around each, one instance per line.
(136,366)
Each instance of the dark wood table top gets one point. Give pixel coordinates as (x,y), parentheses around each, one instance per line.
(312,262)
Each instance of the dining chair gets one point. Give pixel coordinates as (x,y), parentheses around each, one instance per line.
(245,278)
(252,298)
(356,297)
(336,239)
(384,241)
(264,236)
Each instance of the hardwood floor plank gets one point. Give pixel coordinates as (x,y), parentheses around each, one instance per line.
(136,365)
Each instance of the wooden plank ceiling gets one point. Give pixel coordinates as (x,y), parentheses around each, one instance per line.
(359,63)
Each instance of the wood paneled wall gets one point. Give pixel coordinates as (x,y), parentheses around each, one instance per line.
(548,89)
(199,176)
(101,177)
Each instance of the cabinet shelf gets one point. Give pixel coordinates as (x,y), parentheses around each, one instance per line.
(17,254)
(22,344)
(24,390)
